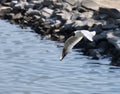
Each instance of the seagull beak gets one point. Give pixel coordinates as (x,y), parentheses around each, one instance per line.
(62,57)
(64,53)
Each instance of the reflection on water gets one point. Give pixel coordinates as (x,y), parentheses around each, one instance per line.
(29,65)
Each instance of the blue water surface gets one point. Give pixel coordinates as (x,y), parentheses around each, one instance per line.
(30,65)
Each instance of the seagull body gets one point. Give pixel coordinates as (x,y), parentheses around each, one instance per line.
(73,40)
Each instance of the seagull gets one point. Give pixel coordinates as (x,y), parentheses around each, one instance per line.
(74,39)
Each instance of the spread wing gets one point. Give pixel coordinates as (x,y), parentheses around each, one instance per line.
(69,44)
(88,35)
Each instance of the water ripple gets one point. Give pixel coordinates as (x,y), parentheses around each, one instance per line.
(29,65)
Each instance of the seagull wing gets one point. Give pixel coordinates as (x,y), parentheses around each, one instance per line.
(72,41)
(69,44)
(89,35)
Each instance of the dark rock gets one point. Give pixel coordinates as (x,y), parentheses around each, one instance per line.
(97,28)
(103,46)
(101,36)
(100,16)
(8,16)
(67,25)
(81,9)
(109,26)
(94,53)
(114,38)
(115,61)
(49,3)
(32,12)
(3,1)
(71,2)
(114,13)
(116,58)
(21,5)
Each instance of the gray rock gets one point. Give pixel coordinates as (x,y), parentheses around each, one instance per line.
(17,16)
(19,7)
(109,3)
(72,2)
(57,24)
(58,5)
(90,22)
(67,7)
(37,1)
(27,19)
(46,12)
(79,25)
(86,15)
(75,15)
(32,12)
(90,4)
(65,15)
(5,11)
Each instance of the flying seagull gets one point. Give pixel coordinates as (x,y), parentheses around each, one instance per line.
(73,40)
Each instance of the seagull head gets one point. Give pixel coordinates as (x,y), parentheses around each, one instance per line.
(64,53)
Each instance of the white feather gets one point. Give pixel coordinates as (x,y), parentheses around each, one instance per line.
(87,34)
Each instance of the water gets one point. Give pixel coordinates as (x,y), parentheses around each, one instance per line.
(30,65)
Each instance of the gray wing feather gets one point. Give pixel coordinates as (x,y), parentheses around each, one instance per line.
(71,42)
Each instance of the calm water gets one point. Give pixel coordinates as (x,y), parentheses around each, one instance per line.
(30,65)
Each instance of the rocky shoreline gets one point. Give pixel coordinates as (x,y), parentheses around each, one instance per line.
(57,19)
